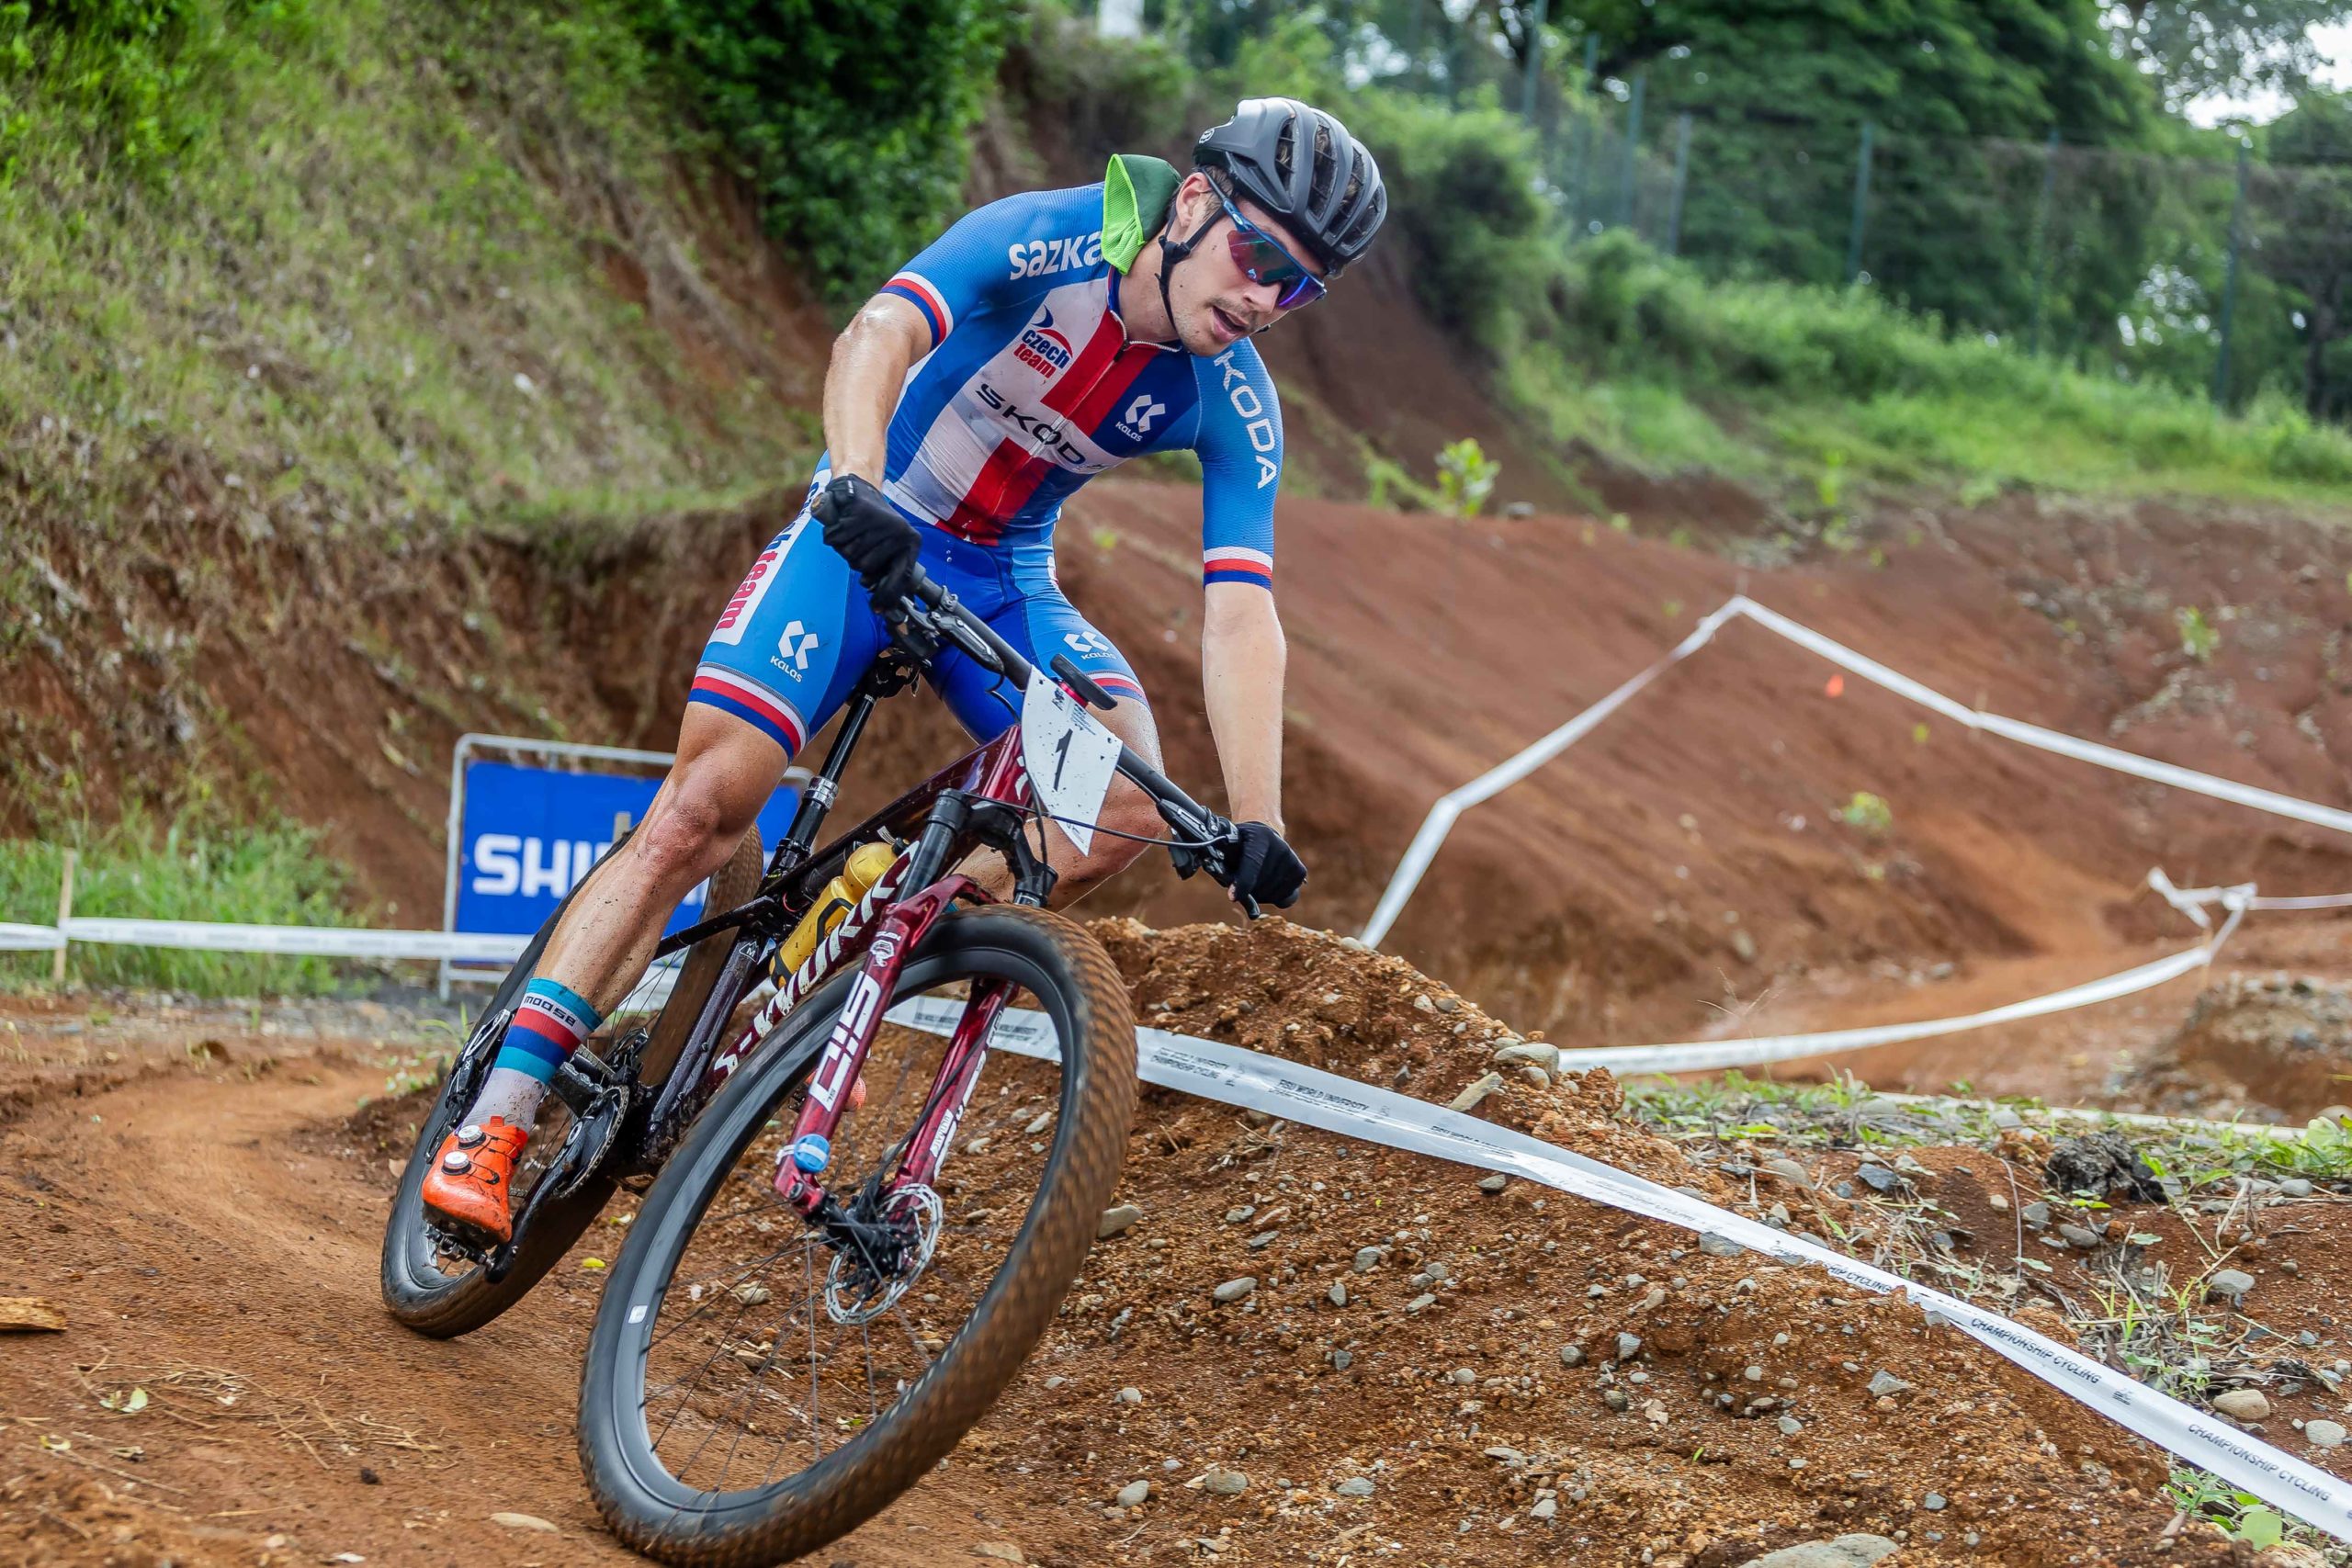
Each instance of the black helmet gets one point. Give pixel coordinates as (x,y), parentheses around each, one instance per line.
(1333,199)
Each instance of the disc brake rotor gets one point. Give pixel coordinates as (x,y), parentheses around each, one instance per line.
(857,1292)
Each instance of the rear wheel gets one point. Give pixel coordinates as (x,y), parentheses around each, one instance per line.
(442,1293)
(751,1391)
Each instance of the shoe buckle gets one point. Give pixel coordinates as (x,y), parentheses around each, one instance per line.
(457,1162)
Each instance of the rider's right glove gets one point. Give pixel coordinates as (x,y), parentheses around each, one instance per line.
(865,531)
(1266,868)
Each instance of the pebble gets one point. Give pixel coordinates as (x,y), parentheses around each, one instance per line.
(1129,1396)
(1423,1004)
(1572,1355)
(1528,1052)
(2036,1214)
(1628,1346)
(1367,1260)
(1234,1216)
(2295,1187)
(1132,1495)
(1261,1240)
(1116,1220)
(2243,1405)
(2323,1434)
(1355,1486)
(1886,1385)
(1342,1359)
(1225,1482)
(1470,1099)
(1449,1004)
(1424,1300)
(1462,1375)
(1236,1290)
(1715,1246)
(1615,1399)
(1544,1508)
(1789,1425)
(2079,1236)
(1437,1270)
(1933,1502)
(1789,1171)
(1001,1551)
(523,1522)
(1878,1179)
(1845,1551)
(1493,1183)
(1339,1294)
(2229,1282)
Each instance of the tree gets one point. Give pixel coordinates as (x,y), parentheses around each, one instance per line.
(2193,47)
(2301,232)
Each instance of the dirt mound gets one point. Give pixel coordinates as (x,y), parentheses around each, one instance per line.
(2270,1048)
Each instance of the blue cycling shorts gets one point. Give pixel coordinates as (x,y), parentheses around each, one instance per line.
(799,631)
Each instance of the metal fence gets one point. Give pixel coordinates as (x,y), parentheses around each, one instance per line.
(2228,274)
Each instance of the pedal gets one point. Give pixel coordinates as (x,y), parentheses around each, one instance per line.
(584,1079)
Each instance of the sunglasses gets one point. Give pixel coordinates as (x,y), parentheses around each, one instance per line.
(1262,259)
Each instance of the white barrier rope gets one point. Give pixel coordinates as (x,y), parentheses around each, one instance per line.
(1246,1078)
(29,939)
(1450,806)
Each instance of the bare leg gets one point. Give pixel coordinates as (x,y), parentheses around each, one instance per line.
(725,772)
(1125,809)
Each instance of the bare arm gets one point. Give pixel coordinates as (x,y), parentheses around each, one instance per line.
(1242,657)
(870,362)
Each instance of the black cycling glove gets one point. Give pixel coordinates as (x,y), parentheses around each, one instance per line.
(865,531)
(1266,868)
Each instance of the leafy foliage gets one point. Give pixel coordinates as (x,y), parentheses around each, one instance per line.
(2190,48)
(849,119)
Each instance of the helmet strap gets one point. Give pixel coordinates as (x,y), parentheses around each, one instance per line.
(1174,251)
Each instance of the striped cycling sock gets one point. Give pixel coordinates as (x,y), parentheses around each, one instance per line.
(549,1025)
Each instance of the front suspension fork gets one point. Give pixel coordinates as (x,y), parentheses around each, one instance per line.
(843,1059)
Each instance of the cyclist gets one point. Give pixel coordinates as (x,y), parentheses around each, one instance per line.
(1043,339)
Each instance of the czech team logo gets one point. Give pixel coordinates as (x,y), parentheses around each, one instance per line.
(1044,349)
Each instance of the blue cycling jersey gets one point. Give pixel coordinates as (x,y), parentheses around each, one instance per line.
(1032,388)
(1029,389)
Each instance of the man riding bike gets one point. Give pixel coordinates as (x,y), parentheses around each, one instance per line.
(1043,339)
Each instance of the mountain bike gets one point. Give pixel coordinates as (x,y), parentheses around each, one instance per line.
(823,1289)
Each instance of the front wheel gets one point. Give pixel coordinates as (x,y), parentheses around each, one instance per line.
(740,1406)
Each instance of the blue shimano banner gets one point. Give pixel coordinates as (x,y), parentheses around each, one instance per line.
(529,833)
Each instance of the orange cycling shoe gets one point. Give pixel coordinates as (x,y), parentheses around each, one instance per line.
(470,1176)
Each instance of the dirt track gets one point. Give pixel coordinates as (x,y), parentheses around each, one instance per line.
(209,1226)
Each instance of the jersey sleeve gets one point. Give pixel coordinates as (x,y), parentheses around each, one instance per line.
(1241,448)
(996,254)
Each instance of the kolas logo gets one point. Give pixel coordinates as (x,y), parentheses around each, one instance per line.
(792,649)
(1136,423)
(1043,349)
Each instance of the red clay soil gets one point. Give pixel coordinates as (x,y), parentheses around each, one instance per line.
(207,1222)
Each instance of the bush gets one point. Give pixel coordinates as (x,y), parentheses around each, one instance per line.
(849,119)
(126,67)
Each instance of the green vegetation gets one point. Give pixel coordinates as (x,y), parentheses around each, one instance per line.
(195,868)
(362,282)
(848,119)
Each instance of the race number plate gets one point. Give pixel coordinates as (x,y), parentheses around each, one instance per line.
(1071,757)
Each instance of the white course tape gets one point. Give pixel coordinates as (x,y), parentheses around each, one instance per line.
(29,939)
(1450,806)
(307,941)
(1242,1078)
(2191,901)
(1702,1055)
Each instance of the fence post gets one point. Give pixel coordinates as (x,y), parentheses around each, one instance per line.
(1534,62)
(2230,283)
(2041,234)
(1862,204)
(65,913)
(1681,182)
(1633,151)
(1581,175)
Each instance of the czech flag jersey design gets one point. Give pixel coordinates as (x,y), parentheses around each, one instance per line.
(1031,388)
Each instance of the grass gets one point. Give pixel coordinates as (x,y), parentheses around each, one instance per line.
(372,296)
(187,870)
(1640,357)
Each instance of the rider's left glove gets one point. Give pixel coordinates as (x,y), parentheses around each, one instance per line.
(1266,868)
(865,531)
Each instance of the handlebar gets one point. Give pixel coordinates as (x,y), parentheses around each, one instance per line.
(927,617)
